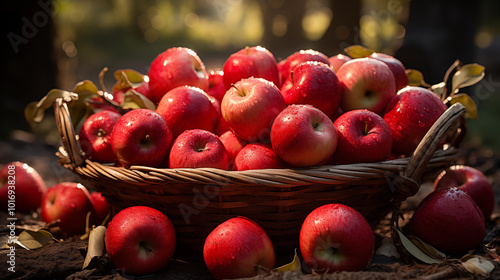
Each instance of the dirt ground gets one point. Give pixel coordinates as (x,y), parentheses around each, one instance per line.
(64,259)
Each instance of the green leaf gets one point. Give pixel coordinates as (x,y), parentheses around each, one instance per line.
(134,100)
(415,77)
(466,76)
(293,266)
(35,112)
(415,251)
(358,51)
(85,87)
(29,239)
(469,104)
(127,78)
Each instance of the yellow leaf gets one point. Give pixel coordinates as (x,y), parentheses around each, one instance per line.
(358,51)
(438,88)
(478,265)
(415,77)
(469,104)
(293,266)
(96,244)
(34,239)
(426,248)
(466,76)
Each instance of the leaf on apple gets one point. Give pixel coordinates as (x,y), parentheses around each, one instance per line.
(127,78)
(358,51)
(467,101)
(478,265)
(415,77)
(466,76)
(134,100)
(96,244)
(415,251)
(295,265)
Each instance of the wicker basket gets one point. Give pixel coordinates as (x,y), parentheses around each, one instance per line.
(197,200)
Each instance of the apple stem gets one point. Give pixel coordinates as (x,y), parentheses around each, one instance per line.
(240,92)
(247,48)
(366,129)
(453,68)
(291,77)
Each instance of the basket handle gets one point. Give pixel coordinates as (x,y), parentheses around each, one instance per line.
(407,184)
(74,152)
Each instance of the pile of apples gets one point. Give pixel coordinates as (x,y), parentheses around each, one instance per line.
(303,111)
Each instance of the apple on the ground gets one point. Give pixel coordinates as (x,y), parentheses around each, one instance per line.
(303,136)
(68,202)
(313,83)
(22,185)
(176,67)
(95,136)
(258,155)
(140,240)
(236,248)
(250,107)
(198,148)
(101,208)
(257,62)
(368,84)
(363,136)
(141,137)
(449,220)
(471,181)
(409,115)
(336,237)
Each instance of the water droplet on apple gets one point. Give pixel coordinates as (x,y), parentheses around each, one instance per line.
(169,76)
(325,70)
(399,127)
(421,124)
(320,81)
(232,256)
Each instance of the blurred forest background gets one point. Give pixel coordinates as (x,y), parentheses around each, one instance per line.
(56,43)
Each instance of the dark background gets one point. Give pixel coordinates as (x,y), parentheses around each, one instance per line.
(54,44)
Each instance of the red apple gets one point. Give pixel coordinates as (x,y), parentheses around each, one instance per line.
(368,84)
(250,107)
(233,145)
(471,181)
(141,137)
(303,136)
(70,203)
(409,115)
(313,83)
(258,156)
(397,68)
(186,108)
(363,136)
(236,247)
(249,62)
(336,237)
(176,67)
(21,188)
(216,86)
(101,207)
(198,148)
(337,61)
(140,240)
(449,220)
(95,136)
(288,65)
(221,126)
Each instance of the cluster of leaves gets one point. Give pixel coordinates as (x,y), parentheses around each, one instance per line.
(85,98)
(458,75)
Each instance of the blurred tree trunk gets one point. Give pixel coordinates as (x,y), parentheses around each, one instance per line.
(438,33)
(29,68)
(293,11)
(344,28)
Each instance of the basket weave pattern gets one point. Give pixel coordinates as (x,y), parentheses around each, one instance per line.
(197,200)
